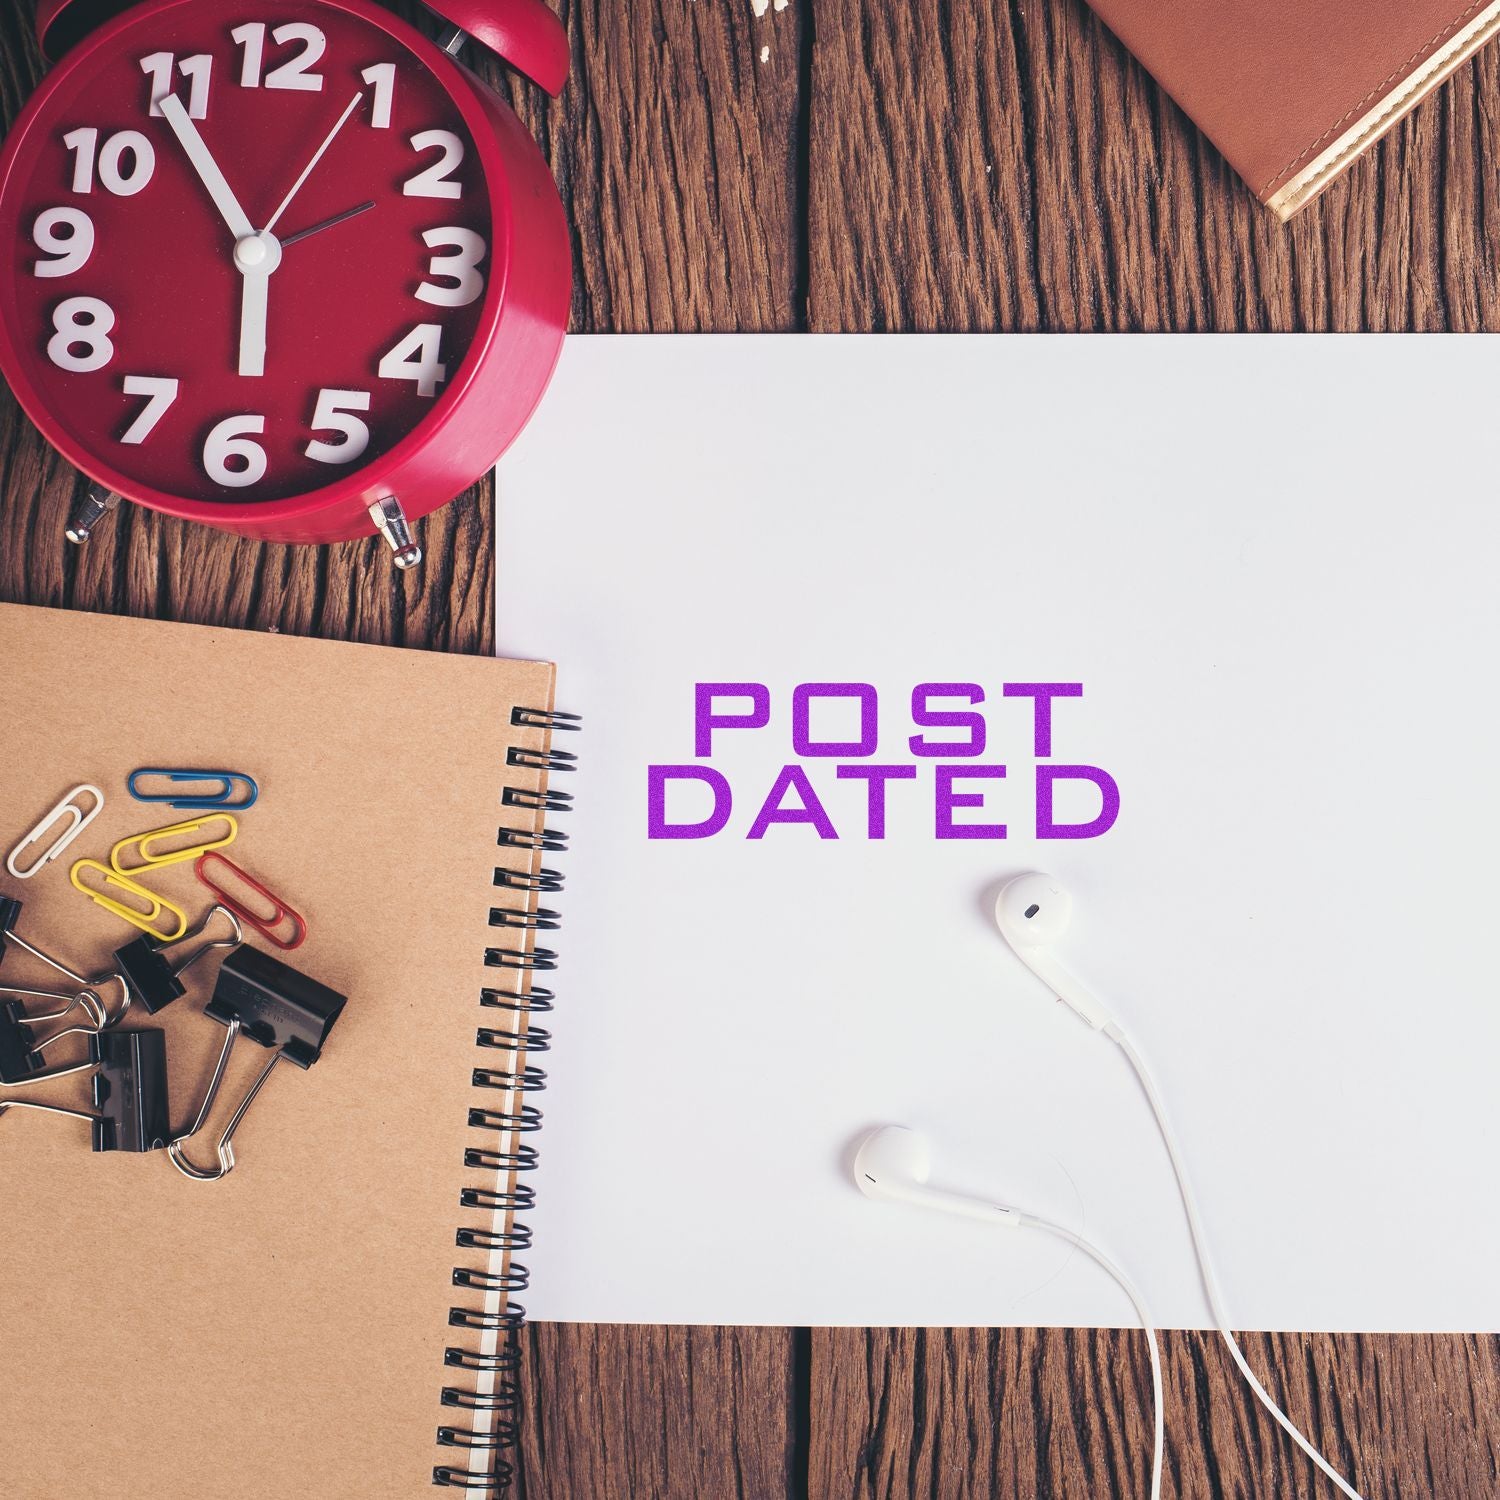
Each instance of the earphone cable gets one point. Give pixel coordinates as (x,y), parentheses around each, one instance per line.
(1031,1221)
(1205,1267)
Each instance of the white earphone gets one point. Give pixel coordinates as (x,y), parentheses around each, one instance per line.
(894,1163)
(1033,912)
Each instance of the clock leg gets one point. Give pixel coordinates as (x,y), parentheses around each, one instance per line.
(390,520)
(453,39)
(97,502)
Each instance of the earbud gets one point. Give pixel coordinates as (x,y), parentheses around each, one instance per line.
(894,1163)
(1032,913)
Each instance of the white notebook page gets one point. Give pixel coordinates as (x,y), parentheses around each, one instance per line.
(1270,565)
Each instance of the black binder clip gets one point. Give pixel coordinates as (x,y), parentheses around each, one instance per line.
(130,1091)
(20,1053)
(10,913)
(273,1004)
(155,980)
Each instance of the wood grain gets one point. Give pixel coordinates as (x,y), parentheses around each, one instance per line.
(677,151)
(954,1415)
(942,164)
(975,165)
(652,1413)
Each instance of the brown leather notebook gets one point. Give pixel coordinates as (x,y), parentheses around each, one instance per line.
(296,1328)
(1293,91)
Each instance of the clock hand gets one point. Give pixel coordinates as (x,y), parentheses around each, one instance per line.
(254,309)
(337,219)
(286,202)
(176,115)
(256,258)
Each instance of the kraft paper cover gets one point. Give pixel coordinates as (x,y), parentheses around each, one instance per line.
(280,1332)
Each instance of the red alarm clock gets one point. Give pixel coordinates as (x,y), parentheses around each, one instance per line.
(284,267)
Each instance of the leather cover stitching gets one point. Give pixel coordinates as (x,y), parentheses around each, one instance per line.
(1374,94)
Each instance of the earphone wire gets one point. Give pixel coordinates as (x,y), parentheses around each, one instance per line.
(1205,1267)
(1032,1221)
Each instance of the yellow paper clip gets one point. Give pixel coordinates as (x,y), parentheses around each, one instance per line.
(154,905)
(150,860)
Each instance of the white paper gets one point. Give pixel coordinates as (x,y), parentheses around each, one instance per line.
(1271,564)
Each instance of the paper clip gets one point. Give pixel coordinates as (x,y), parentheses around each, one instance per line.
(154,905)
(268,924)
(144,842)
(155,980)
(78,820)
(221,800)
(273,1004)
(130,1091)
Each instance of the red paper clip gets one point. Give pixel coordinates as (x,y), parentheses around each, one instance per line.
(267,925)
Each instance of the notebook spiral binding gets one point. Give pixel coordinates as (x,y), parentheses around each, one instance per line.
(507,1156)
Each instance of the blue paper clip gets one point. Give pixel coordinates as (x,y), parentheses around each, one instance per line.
(221,799)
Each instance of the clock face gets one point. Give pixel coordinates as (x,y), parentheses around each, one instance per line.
(247,247)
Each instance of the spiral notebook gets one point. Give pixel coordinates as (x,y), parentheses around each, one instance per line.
(336,1317)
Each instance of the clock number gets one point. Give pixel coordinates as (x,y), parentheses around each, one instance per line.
(462,267)
(418,358)
(72,250)
(252,41)
(160,393)
(198,70)
(335,414)
(84,144)
(296,72)
(230,440)
(436,181)
(158,67)
(382,78)
(82,323)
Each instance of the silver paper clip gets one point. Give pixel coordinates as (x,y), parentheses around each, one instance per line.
(77,821)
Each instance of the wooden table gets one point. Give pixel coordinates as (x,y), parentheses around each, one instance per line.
(936,164)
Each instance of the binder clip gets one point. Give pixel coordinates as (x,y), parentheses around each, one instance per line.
(77,819)
(10,914)
(274,1005)
(130,1091)
(155,980)
(21,1057)
(220,798)
(20,1052)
